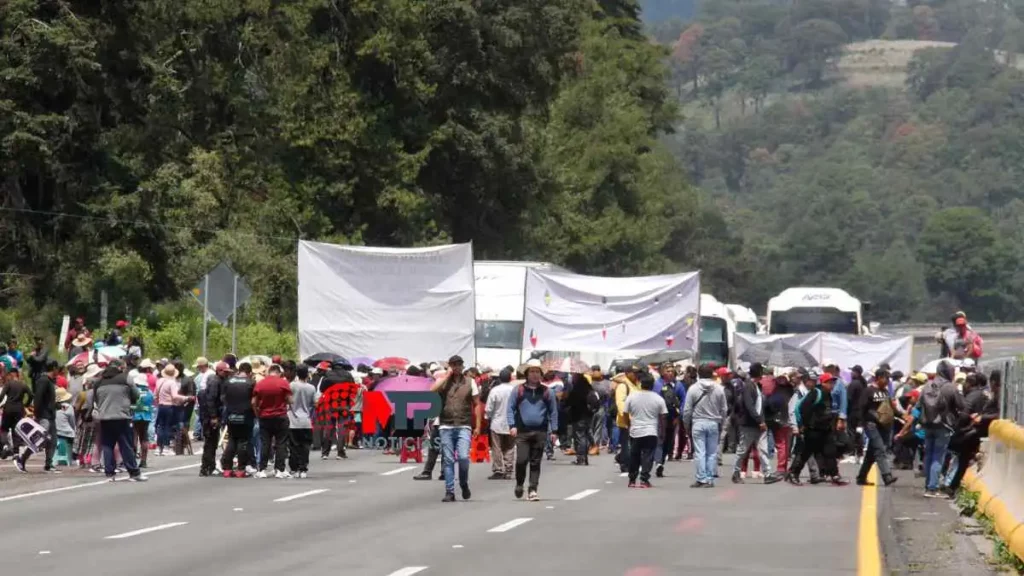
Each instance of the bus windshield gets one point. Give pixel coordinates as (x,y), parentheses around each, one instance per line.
(504,334)
(807,320)
(714,343)
(746,327)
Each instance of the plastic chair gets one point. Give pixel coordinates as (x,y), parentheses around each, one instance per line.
(62,456)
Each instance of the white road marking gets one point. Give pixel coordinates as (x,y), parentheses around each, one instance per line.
(399,471)
(624,474)
(608,482)
(237,509)
(510,525)
(457,546)
(550,507)
(43,552)
(408,571)
(88,484)
(302,495)
(584,494)
(145,531)
(351,481)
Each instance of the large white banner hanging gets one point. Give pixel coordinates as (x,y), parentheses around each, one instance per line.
(806,350)
(575,313)
(416,303)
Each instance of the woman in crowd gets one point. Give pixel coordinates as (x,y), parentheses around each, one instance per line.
(168,399)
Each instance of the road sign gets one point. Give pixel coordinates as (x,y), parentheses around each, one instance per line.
(218,291)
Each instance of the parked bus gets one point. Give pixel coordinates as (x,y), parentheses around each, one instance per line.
(806,310)
(716,332)
(743,318)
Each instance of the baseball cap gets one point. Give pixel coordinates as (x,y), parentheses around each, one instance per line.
(455,360)
(533,363)
(595,368)
(723,371)
(826,377)
(920,377)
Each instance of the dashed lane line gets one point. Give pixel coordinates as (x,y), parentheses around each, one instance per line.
(142,531)
(510,525)
(398,470)
(583,494)
(302,495)
(408,571)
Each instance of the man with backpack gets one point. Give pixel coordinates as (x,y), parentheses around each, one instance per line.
(672,393)
(532,419)
(941,406)
(625,384)
(876,413)
(817,432)
(753,428)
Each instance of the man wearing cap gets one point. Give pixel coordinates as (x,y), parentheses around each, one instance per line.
(211,400)
(625,384)
(532,419)
(817,431)
(459,417)
(114,398)
(877,413)
(960,341)
(854,395)
(674,395)
(752,426)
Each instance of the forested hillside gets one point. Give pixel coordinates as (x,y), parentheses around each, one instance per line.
(908,195)
(143,141)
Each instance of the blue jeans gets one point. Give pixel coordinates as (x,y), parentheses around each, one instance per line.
(455,443)
(613,444)
(165,426)
(936,441)
(705,449)
(256,444)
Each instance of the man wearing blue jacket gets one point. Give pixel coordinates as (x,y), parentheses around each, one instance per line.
(674,394)
(532,419)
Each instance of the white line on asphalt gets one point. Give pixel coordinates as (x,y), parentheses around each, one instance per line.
(550,507)
(43,552)
(237,510)
(145,531)
(88,484)
(607,481)
(510,525)
(457,546)
(351,481)
(408,571)
(398,471)
(584,494)
(624,474)
(302,495)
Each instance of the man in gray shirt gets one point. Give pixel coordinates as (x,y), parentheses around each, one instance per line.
(704,411)
(300,417)
(647,413)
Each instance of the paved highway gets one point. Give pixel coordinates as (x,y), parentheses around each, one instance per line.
(367,517)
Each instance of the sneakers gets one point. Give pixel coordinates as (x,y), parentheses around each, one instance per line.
(736,478)
(931,494)
(519,491)
(645,484)
(249,470)
(282,475)
(261,474)
(496,476)
(465,492)
(51,470)
(217,471)
(889,480)
(139,478)
(864,482)
(341,457)
(772,479)
(303,475)
(838,481)
(422,476)
(793,480)
(533,496)
(227,474)
(323,456)
(19,464)
(697,485)
(448,497)
(632,484)
(660,471)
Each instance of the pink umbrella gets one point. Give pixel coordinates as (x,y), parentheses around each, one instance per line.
(406,384)
(90,357)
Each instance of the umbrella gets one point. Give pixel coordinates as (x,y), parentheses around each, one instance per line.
(266,360)
(778,353)
(361,360)
(406,383)
(326,357)
(391,363)
(933,366)
(112,351)
(569,364)
(92,357)
(666,356)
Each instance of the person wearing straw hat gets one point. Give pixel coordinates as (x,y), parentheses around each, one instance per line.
(65,420)
(532,419)
(168,398)
(15,396)
(81,343)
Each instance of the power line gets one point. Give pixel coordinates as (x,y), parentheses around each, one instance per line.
(142,223)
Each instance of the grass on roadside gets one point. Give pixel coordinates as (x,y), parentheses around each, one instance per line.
(967,503)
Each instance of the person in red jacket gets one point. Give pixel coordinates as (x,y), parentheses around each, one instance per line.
(960,340)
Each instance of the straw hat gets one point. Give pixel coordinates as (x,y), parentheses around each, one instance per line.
(146,364)
(81,340)
(63,396)
(258,367)
(170,371)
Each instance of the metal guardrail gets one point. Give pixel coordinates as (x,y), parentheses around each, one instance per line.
(1011,401)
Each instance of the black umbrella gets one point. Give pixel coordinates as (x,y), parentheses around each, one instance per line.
(778,353)
(665,356)
(326,357)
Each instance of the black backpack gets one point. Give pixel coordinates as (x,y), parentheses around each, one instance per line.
(593,401)
(932,405)
(668,392)
(776,409)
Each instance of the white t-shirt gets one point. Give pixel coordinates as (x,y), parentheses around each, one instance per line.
(476,394)
(644,409)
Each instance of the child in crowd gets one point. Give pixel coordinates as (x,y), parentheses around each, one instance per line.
(65,421)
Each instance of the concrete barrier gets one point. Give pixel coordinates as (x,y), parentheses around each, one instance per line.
(999,483)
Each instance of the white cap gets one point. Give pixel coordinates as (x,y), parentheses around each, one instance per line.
(534,363)
(829,362)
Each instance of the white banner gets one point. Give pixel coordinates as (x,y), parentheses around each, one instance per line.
(416,303)
(846,350)
(570,312)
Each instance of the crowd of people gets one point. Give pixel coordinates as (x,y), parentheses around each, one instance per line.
(260,414)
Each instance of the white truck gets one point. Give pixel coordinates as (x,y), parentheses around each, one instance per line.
(716,332)
(743,318)
(807,310)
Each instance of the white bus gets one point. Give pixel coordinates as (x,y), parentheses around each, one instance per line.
(500,303)
(716,332)
(743,318)
(806,310)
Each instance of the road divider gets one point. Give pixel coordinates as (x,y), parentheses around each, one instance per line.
(998,483)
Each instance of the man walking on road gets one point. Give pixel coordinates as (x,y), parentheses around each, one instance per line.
(876,414)
(753,428)
(625,384)
(300,418)
(44,403)
(533,419)
(459,396)
(114,397)
(503,445)
(270,400)
(647,413)
(599,427)
(705,410)
(237,395)
(674,394)
(941,407)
